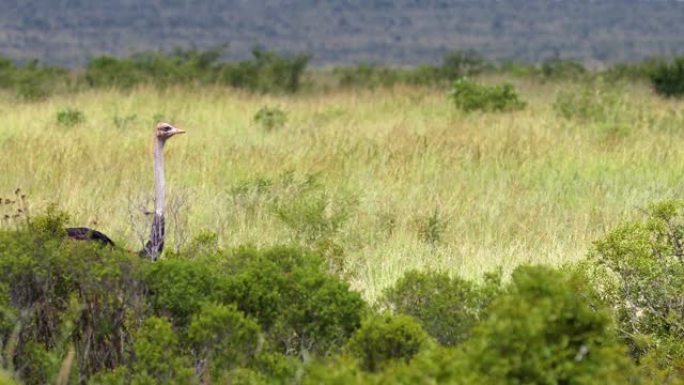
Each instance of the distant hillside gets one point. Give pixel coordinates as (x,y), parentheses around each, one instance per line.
(401,32)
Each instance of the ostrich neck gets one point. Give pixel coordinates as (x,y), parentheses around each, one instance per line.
(154,247)
(159,177)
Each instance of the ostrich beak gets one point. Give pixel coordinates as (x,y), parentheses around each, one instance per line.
(178,131)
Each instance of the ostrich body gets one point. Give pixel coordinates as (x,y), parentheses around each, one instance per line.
(155,245)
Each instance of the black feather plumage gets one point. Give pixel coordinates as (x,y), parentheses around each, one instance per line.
(86,234)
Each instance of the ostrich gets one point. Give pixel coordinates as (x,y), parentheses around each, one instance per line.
(154,246)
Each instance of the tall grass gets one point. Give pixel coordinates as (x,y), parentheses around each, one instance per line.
(395,179)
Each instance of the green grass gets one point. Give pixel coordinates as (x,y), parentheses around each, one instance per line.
(399,178)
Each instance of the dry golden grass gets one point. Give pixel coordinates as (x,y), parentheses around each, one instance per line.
(424,186)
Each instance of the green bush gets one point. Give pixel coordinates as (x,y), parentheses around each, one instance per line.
(70,117)
(367,75)
(270,118)
(641,266)
(158,359)
(178,288)
(287,291)
(455,65)
(632,71)
(383,339)
(276,316)
(668,78)
(106,71)
(548,328)
(222,338)
(68,294)
(468,95)
(32,81)
(266,72)
(301,308)
(447,308)
(433,366)
(338,370)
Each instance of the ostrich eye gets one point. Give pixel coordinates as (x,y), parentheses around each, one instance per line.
(167,128)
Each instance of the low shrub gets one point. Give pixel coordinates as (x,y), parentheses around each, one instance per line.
(383,339)
(432,366)
(70,117)
(178,288)
(367,75)
(641,267)
(668,78)
(447,308)
(222,338)
(266,72)
(300,307)
(158,356)
(32,81)
(633,71)
(270,118)
(276,316)
(468,95)
(549,327)
(337,371)
(67,293)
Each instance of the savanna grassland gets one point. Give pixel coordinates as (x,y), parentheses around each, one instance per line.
(381,181)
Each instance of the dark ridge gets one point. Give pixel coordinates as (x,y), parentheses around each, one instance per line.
(401,32)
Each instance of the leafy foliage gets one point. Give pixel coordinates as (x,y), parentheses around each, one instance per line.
(267,72)
(67,293)
(70,117)
(270,118)
(468,95)
(447,308)
(223,338)
(643,270)
(455,64)
(276,316)
(668,78)
(300,307)
(385,338)
(158,360)
(548,328)
(32,81)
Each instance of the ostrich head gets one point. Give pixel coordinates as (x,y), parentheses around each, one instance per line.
(165,131)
